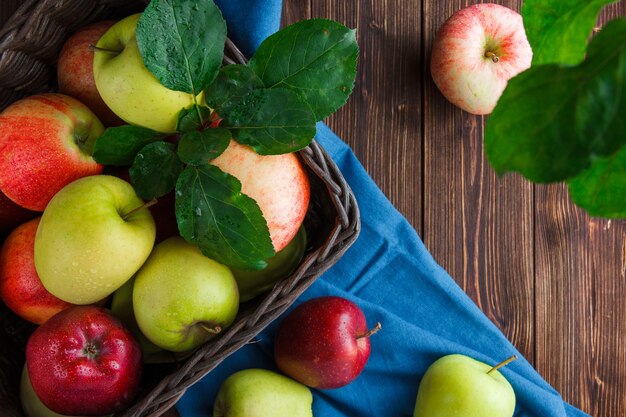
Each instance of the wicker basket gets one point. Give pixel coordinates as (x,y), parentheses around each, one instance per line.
(31,37)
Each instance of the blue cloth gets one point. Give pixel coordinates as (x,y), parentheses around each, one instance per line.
(389,273)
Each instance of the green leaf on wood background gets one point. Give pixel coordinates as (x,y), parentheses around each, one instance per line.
(553,120)
(227,225)
(200,147)
(272,121)
(119,145)
(558,30)
(182,42)
(316,58)
(155,170)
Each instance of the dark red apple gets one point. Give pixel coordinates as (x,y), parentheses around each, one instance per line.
(324,342)
(20,286)
(83,361)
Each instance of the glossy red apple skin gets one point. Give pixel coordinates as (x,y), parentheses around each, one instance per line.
(39,153)
(75,71)
(12,215)
(278,183)
(460,66)
(20,286)
(318,343)
(83,361)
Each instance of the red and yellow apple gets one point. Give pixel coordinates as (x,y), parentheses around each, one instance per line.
(20,286)
(46,142)
(75,71)
(475,53)
(278,183)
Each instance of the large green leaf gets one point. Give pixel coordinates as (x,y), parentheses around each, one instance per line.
(119,145)
(155,170)
(272,121)
(601,189)
(182,42)
(316,58)
(558,30)
(553,120)
(228,226)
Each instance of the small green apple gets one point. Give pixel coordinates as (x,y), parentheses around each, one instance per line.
(93,236)
(457,385)
(181,298)
(262,393)
(128,87)
(279,266)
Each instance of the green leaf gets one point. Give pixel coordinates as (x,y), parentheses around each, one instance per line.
(155,170)
(558,30)
(228,226)
(182,42)
(232,84)
(192,118)
(200,147)
(552,120)
(601,189)
(316,58)
(272,121)
(119,145)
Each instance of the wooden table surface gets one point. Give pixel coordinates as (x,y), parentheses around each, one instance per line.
(551,278)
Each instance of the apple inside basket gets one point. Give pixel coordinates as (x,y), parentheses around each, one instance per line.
(331,223)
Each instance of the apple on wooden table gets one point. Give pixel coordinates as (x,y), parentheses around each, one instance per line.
(20,286)
(475,53)
(46,142)
(457,385)
(324,342)
(83,361)
(93,236)
(262,393)
(75,71)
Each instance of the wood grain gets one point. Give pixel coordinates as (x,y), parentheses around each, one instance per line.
(551,278)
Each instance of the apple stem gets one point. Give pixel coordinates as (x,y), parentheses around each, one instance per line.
(136,209)
(501,364)
(212,330)
(490,54)
(97,48)
(371,331)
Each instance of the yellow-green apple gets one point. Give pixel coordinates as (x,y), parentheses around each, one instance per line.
(324,342)
(93,236)
(20,286)
(181,298)
(279,266)
(128,87)
(46,142)
(278,183)
(12,215)
(83,361)
(261,393)
(457,385)
(75,71)
(475,53)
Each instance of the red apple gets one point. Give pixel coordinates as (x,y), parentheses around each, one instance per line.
(12,215)
(46,142)
(83,361)
(278,183)
(475,53)
(75,71)
(324,342)
(20,286)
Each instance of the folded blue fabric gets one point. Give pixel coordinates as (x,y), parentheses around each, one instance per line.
(389,273)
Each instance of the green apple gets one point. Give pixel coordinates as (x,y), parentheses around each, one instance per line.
(279,266)
(128,87)
(262,393)
(457,385)
(181,298)
(93,236)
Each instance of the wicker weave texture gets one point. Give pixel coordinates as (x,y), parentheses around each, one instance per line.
(30,41)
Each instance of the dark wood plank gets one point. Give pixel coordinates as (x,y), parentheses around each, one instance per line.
(478,227)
